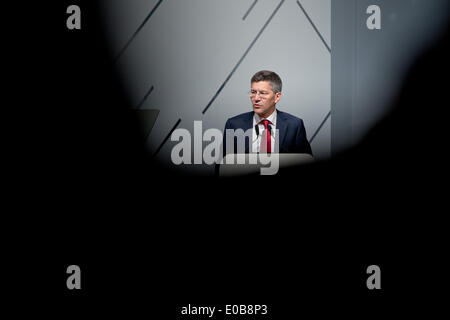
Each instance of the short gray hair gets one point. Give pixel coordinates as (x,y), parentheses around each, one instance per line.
(272,77)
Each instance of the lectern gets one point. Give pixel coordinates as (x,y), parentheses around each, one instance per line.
(255,164)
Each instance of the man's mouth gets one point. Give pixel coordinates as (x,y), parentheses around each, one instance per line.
(257,105)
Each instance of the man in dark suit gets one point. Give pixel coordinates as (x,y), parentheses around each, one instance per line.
(265,122)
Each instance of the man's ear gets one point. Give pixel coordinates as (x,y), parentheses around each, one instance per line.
(277,97)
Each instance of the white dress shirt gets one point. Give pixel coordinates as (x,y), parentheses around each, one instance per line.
(256,143)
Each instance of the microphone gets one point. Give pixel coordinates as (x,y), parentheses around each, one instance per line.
(257,129)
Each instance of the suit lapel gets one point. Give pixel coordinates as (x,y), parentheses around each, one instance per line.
(282,128)
(248,123)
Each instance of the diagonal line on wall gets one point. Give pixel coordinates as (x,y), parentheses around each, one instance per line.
(145,98)
(242,58)
(167,138)
(138,29)
(320,126)
(250,9)
(329,50)
(314,26)
(147,119)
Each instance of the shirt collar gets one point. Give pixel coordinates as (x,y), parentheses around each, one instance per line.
(272,118)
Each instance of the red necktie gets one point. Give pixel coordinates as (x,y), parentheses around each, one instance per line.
(269,141)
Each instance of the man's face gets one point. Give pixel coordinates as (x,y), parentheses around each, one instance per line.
(263,98)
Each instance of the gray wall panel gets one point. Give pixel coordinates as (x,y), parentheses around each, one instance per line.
(187,50)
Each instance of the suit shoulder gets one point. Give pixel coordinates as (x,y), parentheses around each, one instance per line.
(290,117)
(241,116)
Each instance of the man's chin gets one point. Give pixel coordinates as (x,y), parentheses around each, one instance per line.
(261,113)
(258,111)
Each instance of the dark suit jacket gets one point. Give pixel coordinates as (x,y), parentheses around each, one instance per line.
(292,134)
